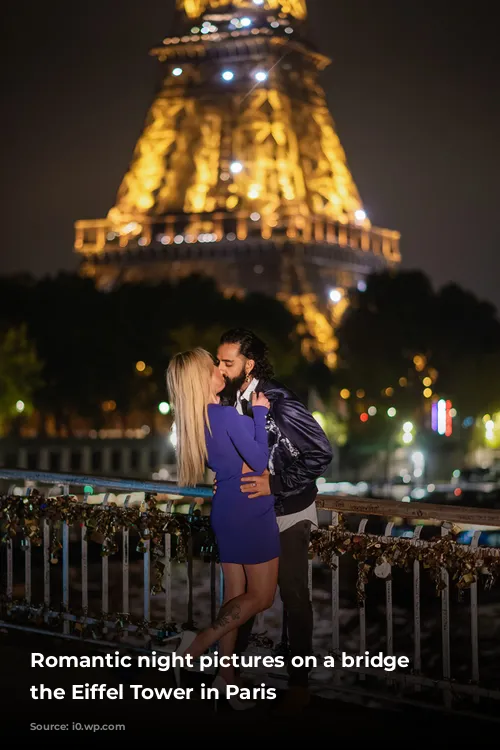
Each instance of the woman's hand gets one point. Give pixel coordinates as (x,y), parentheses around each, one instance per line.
(260,400)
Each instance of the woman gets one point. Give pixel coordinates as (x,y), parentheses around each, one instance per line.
(246,530)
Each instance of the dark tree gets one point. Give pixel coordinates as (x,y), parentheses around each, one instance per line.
(90,341)
(400,337)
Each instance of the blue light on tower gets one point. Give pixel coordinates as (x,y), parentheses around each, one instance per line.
(228,75)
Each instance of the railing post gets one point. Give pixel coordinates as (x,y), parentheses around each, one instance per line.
(168,571)
(335,604)
(27,571)
(105,579)
(310,577)
(147,580)
(388,603)
(10,586)
(417,647)
(445,623)
(125,565)
(362,609)
(65,575)
(65,566)
(474,623)
(27,563)
(190,623)
(46,568)
(85,564)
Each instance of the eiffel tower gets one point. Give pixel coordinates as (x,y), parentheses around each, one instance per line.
(239,173)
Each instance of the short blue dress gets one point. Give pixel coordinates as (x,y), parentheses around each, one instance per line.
(246,529)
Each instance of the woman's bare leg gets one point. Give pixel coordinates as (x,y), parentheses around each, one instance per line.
(262,581)
(235,582)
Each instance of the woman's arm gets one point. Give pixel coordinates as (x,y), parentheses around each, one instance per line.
(253,450)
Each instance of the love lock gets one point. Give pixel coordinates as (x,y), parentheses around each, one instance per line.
(383,570)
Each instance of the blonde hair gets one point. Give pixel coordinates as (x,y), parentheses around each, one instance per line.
(189,377)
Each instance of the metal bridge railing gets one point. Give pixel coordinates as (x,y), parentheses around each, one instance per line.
(71,565)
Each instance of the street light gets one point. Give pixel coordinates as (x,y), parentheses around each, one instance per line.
(490,430)
(418,460)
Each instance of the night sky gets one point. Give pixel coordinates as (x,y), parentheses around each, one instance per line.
(413,89)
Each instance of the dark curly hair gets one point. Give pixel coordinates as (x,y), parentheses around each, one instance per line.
(251,347)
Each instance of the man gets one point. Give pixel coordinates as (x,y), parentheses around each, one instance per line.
(299,453)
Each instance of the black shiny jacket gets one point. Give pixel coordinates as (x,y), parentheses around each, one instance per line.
(300,451)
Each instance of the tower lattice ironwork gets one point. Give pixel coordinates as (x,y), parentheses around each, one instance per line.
(239,172)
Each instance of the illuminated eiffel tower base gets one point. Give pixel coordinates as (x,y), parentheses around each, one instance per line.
(239,173)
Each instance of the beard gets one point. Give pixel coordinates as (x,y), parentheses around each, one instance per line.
(228,395)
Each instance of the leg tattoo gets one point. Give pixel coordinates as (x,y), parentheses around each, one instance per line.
(229,612)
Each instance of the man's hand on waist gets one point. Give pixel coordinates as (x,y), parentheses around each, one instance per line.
(256,486)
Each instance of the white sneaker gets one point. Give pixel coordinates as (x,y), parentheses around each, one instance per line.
(187,639)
